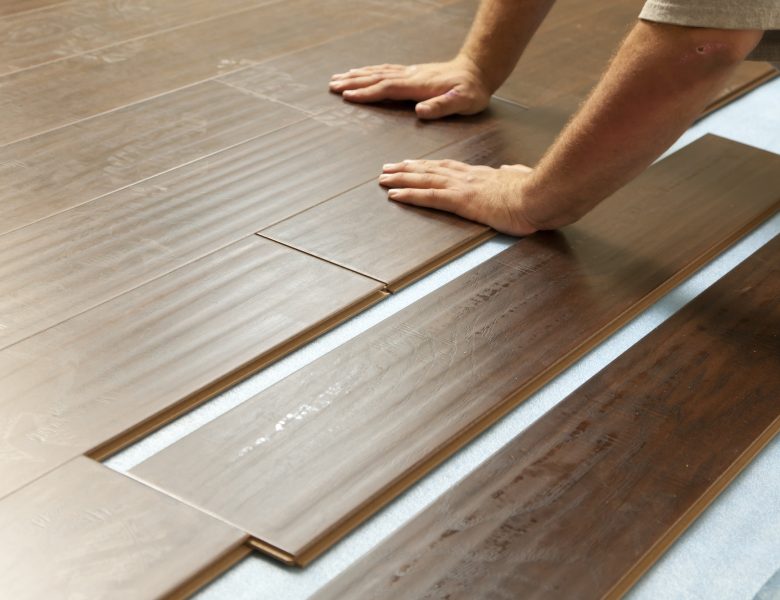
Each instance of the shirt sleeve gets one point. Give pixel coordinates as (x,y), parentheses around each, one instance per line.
(719,14)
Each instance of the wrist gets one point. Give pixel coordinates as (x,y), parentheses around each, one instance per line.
(465,61)
(541,205)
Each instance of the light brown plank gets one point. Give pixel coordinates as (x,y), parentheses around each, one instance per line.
(66,264)
(301,78)
(138,360)
(31,38)
(55,171)
(394,243)
(84,531)
(13,7)
(58,93)
(300,464)
(748,76)
(585,500)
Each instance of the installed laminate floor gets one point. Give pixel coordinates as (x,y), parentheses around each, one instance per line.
(84,531)
(303,462)
(142,147)
(113,373)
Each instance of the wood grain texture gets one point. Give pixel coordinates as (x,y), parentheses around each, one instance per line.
(300,464)
(31,38)
(58,93)
(66,264)
(13,7)
(301,78)
(640,450)
(55,171)
(137,361)
(84,531)
(397,244)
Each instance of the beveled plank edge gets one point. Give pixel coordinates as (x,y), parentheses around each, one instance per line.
(722,101)
(692,513)
(370,507)
(272,551)
(439,261)
(210,573)
(144,428)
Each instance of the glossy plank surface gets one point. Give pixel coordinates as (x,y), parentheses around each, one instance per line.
(581,503)
(84,531)
(301,463)
(394,243)
(58,93)
(176,341)
(66,264)
(31,38)
(66,167)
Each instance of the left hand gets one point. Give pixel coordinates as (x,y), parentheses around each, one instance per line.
(484,194)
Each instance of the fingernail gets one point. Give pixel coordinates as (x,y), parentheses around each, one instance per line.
(349,92)
(393,193)
(384,177)
(389,166)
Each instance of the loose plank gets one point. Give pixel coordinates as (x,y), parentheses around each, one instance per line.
(300,464)
(587,498)
(31,38)
(397,244)
(137,361)
(66,264)
(52,172)
(55,94)
(84,531)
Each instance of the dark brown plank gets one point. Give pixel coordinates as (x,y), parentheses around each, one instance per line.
(586,499)
(66,264)
(748,76)
(141,359)
(300,464)
(300,78)
(84,531)
(58,93)
(31,38)
(397,244)
(55,171)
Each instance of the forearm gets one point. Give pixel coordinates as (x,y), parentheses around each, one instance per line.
(659,82)
(499,34)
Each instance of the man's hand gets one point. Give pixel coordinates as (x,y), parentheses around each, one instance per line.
(441,89)
(490,196)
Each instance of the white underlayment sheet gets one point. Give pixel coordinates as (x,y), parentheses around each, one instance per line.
(728,554)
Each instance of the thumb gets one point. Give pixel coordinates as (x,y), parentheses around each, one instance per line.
(448,103)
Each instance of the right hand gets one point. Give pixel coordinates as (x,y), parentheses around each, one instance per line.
(441,89)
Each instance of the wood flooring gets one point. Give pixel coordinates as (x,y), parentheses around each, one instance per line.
(584,501)
(182,202)
(131,364)
(303,462)
(84,531)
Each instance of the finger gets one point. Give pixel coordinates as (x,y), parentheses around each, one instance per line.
(427,197)
(449,103)
(426,166)
(354,83)
(362,71)
(414,180)
(387,89)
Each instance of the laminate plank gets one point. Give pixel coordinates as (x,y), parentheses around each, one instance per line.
(55,171)
(301,78)
(64,265)
(586,499)
(131,364)
(84,531)
(747,77)
(55,94)
(303,462)
(396,244)
(31,38)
